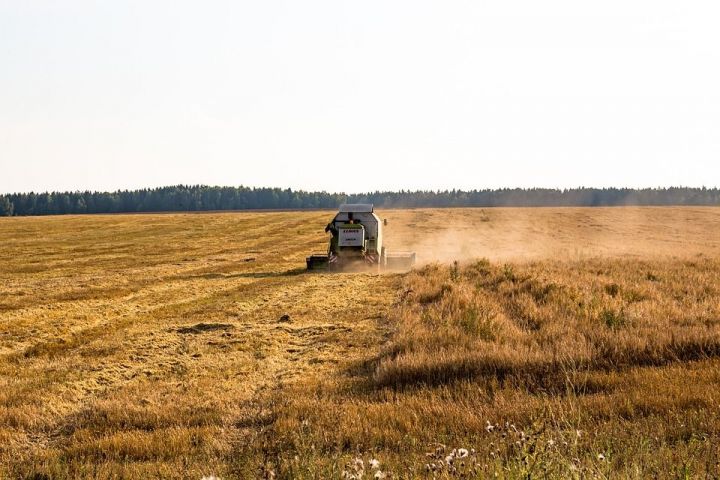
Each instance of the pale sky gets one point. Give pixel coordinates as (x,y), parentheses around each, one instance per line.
(357,96)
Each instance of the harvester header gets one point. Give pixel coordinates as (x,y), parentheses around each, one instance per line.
(356,242)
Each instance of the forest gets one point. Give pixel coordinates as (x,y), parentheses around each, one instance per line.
(180,198)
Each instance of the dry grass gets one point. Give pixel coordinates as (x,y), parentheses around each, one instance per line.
(581,369)
(530,323)
(152,346)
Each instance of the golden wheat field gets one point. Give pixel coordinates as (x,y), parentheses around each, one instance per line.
(527,343)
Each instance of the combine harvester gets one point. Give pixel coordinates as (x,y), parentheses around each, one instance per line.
(357,244)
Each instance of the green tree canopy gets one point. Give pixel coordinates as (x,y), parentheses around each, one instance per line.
(201,197)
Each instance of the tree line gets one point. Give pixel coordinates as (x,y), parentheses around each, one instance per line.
(203,198)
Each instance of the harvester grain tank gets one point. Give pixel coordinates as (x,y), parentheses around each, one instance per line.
(356,242)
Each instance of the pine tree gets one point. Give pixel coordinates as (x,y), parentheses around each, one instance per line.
(6,207)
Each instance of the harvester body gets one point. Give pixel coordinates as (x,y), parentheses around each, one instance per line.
(357,243)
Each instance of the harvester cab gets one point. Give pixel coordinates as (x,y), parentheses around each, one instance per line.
(357,243)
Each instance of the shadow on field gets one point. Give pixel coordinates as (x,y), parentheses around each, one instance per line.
(224,276)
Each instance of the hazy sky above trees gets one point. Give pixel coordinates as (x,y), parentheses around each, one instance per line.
(357,96)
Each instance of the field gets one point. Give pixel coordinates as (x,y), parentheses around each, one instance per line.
(545,342)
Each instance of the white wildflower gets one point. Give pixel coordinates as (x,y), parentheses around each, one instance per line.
(601,457)
(379,475)
(489,427)
(462,453)
(374,464)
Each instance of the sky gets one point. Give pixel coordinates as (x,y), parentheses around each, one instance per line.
(351,96)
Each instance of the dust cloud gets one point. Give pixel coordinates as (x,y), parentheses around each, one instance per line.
(527,234)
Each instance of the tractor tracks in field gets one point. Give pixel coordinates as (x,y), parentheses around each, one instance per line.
(118,350)
(252,331)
